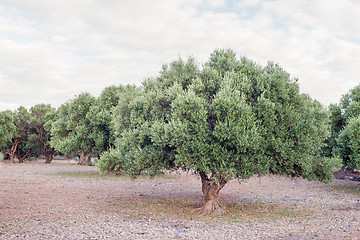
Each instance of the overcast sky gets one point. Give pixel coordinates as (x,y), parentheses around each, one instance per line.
(52,50)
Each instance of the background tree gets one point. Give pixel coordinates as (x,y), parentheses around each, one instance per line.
(100,117)
(71,130)
(41,118)
(22,122)
(7,134)
(16,142)
(121,121)
(345,128)
(348,143)
(230,119)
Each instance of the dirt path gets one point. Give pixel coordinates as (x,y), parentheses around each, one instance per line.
(37,203)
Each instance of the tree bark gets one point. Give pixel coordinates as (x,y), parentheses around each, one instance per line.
(210,200)
(49,153)
(12,157)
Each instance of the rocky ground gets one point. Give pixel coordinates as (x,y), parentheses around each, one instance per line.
(56,201)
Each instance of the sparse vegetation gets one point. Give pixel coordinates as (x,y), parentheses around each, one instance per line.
(347,189)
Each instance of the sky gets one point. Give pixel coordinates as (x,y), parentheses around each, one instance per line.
(51,51)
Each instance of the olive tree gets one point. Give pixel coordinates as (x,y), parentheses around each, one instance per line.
(25,147)
(71,129)
(345,129)
(349,144)
(15,141)
(41,118)
(229,119)
(120,121)
(100,118)
(8,133)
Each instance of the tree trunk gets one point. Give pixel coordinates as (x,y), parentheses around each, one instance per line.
(210,201)
(12,157)
(49,153)
(11,152)
(84,158)
(87,159)
(81,157)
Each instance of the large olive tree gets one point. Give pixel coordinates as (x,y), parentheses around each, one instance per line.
(229,119)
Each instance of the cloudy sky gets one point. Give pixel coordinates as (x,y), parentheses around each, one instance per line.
(51,50)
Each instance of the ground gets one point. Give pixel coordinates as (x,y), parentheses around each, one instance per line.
(62,200)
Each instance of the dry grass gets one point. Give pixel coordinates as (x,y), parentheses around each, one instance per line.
(148,207)
(95,174)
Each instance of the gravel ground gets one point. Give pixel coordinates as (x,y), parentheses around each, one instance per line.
(37,203)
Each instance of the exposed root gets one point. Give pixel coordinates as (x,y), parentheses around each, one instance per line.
(210,208)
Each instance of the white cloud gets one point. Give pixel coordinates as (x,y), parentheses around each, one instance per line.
(216,3)
(50,51)
(247,3)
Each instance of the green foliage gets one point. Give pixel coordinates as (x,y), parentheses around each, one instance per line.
(337,123)
(110,162)
(350,104)
(121,113)
(219,137)
(100,117)
(229,119)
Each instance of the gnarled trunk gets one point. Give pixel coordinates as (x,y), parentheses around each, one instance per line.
(12,150)
(84,158)
(210,201)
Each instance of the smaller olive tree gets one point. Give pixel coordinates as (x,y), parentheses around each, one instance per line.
(18,132)
(71,128)
(100,117)
(344,129)
(41,118)
(349,144)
